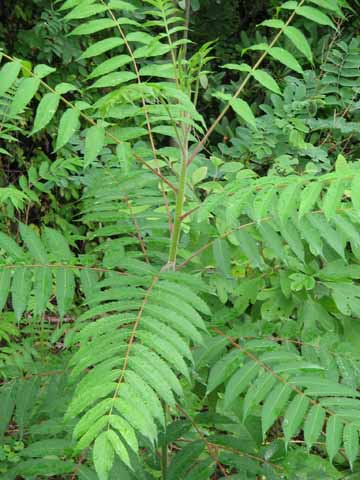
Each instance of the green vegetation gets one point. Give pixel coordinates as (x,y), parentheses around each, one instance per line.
(179,240)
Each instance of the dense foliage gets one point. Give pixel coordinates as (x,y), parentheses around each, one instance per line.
(179,240)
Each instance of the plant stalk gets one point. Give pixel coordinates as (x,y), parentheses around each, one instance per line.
(180,199)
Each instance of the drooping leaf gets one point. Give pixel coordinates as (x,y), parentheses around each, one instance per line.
(20,290)
(43,284)
(102,46)
(33,243)
(286,58)
(334,429)
(249,246)
(309,197)
(94,142)
(299,41)
(332,198)
(68,125)
(243,110)
(315,15)
(8,75)
(26,91)
(355,192)
(5,279)
(46,111)
(103,456)
(288,201)
(294,416)
(65,289)
(313,425)
(239,381)
(274,405)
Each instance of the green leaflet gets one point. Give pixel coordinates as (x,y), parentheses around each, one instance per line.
(315,15)
(222,257)
(110,65)
(351,442)
(43,284)
(93,431)
(85,10)
(69,123)
(274,405)
(313,425)
(311,236)
(43,448)
(5,279)
(175,321)
(93,26)
(257,392)
(26,397)
(266,80)
(80,402)
(65,289)
(7,408)
(102,46)
(347,228)
(169,335)
(166,351)
(328,5)
(186,293)
(42,71)
(288,201)
(223,368)
(272,23)
(330,235)
(243,110)
(91,417)
(249,246)
(43,467)
(65,87)
(294,416)
(20,291)
(153,378)
(239,381)
(327,389)
(264,201)
(355,192)
(181,461)
(33,243)
(272,239)
(286,58)
(103,456)
(181,307)
(150,399)
(10,247)
(68,4)
(126,431)
(94,142)
(57,243)
(8,75)
(332,198)
(165,70)
(118,446)
(300,42)
(25,92)
(46,111)
(309,197)
(132,409)
(291,236)
(113,79)
(334,429)
(122,5)
(154,360)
